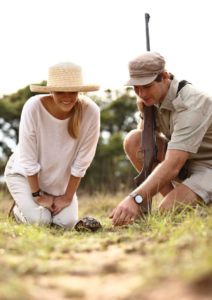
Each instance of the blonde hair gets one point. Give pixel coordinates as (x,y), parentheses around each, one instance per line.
(75,119)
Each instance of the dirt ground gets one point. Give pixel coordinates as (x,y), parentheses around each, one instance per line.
(116,273)
(111,275)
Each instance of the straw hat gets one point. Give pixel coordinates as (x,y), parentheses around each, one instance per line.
(64,77)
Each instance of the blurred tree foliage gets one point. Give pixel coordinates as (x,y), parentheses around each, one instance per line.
(110,169)
(10,112)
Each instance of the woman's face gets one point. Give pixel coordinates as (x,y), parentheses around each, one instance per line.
(65,101)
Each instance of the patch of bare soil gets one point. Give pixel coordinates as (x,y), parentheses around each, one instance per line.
(174,290)
(99,275)
(103,275)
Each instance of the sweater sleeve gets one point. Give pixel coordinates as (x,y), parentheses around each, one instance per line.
(28,150)
(88,142)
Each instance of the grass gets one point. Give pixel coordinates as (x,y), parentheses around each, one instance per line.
(162,257)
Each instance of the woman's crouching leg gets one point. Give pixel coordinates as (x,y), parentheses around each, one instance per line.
(25,209)
(38,216)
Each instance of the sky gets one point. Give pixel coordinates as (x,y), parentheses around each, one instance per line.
(103,36)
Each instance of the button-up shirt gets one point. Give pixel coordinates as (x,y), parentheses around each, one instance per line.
(186,120)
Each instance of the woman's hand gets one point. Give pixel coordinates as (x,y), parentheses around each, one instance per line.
(60,202)
(46,201)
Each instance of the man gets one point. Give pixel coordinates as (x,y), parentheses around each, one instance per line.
(184,117)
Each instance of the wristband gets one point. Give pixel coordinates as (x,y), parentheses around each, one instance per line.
(39,193)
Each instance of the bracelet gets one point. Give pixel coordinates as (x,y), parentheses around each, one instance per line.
(39,193)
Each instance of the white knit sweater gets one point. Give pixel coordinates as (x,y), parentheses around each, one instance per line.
(46,148)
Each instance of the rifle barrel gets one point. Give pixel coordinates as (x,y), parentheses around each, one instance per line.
(147,17)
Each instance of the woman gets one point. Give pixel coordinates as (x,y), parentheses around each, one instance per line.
(58,135)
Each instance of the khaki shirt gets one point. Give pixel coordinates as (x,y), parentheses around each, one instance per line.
(186,120)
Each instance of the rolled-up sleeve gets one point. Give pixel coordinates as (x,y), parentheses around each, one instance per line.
(88,142)
(28,152)
(189,130)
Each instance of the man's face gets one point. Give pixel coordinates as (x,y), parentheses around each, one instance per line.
(152,93)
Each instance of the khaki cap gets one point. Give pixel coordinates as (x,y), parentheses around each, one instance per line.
(145,68)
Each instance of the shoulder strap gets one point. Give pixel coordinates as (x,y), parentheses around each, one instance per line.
(182,83)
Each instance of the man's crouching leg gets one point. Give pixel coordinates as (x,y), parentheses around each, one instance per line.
(133,149)
(180,197)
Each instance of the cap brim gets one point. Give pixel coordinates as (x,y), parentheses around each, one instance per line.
(140,81)
(46,89)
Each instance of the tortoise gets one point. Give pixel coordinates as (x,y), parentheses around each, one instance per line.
(87,224)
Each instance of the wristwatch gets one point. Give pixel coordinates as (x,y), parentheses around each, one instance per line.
(137,198)
(39,193)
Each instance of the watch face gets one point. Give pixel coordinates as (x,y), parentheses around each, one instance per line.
(41,193)
(138,199)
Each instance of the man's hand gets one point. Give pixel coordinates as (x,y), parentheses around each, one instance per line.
(60,202)
(45,201)
(126,212)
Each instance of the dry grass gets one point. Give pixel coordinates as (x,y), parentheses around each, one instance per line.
(158,258)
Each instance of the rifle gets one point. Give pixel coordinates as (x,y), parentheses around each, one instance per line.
(148,137)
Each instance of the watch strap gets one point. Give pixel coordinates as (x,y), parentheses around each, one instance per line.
(37,194)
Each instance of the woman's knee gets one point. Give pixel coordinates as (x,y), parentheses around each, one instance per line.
(37,216)
(68,216)
(41,218)
(65,223)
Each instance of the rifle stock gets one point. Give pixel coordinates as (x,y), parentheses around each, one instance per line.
(149,148)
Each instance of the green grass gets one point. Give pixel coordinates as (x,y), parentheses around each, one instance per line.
(168,255)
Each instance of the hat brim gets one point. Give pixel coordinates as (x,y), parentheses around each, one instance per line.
(46,89)
(140,80)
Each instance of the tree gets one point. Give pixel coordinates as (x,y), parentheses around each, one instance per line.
(10,112)
(110,168)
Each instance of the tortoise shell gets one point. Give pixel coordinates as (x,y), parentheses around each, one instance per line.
(87,224)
